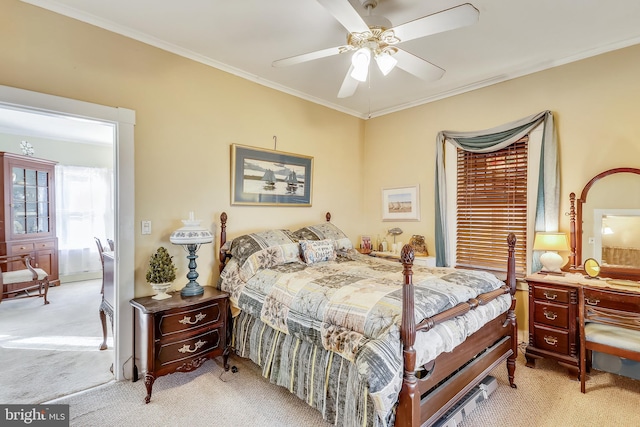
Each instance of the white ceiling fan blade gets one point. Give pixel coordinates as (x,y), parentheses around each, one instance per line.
(346,15)
(306,57)
(418,66)
(450,19)
(349,85)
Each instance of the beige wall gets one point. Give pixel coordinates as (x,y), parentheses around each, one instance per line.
(596,108)
(187,116)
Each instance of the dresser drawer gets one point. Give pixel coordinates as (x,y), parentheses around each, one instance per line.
(192,318)
(551,294)
(551,339)
(613,300)
(551,314)
(184,349)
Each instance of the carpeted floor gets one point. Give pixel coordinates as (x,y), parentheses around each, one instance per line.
(546,397)
(48,351)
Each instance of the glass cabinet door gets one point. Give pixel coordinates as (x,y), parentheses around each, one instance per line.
(30,201)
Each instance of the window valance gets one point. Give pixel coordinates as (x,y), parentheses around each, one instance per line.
(488,140)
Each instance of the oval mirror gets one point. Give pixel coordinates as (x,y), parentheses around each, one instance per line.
(592,268)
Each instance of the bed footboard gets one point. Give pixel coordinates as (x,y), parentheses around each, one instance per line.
(489,346)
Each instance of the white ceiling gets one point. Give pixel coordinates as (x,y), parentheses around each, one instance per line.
(512,38)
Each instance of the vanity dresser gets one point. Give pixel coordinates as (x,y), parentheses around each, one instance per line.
(554,325)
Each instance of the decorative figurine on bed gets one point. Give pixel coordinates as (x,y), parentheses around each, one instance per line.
(419,246)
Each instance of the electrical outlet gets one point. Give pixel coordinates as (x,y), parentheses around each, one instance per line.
(146,227)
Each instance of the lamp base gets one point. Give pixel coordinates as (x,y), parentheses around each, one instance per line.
(192,290)
(551,263)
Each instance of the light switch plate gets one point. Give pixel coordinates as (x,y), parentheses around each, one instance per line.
(146,227)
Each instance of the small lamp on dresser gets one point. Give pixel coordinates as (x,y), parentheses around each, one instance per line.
(551,243)
(191,236)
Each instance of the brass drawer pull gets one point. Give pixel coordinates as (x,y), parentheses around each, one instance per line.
(187,349)
(551,340)
(550,315)
(187,320)
(591,301)
(550,296)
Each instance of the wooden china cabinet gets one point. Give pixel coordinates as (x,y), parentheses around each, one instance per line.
(27,216)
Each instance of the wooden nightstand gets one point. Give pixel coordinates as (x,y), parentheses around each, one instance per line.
(553,325)
(179,334)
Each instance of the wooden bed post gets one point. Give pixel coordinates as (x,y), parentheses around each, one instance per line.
(223,239)
(511,314)
(408,412)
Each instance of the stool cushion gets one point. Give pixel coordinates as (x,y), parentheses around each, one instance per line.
(20,276)
(613,336)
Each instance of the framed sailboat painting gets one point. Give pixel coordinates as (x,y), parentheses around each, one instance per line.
(268,177)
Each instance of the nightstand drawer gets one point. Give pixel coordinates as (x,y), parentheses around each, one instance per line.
(551,294)
(206,314)
(551,314)
(181,350)
(550,339)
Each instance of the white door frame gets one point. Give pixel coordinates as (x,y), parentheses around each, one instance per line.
(124,121)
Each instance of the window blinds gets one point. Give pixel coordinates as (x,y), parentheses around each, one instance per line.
(491,203)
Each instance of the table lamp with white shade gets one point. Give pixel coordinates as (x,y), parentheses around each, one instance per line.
(191,236)
(551,243)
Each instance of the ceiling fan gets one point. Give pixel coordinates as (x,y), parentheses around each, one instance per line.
(373,37)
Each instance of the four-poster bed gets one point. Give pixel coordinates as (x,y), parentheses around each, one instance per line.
(331,364)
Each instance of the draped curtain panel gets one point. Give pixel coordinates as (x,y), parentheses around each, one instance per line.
(486,141)
(84,209)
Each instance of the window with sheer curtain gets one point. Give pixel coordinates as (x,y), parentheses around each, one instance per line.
(84,209)
(491,203)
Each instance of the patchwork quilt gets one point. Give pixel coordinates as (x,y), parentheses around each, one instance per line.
(352,306)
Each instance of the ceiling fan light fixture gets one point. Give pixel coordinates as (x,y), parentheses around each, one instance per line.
(360,60)
(386,62)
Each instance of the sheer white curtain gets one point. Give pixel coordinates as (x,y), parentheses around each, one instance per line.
(84,210)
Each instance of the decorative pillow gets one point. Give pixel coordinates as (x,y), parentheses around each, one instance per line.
(246,245)
(317,251)
(269,257)
(324,231)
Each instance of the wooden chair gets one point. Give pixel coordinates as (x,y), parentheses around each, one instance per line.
(22,282)
(609,322)
(102,312)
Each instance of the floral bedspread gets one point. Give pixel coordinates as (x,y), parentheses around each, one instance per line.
(353,306)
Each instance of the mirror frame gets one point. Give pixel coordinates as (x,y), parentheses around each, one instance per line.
(575,214)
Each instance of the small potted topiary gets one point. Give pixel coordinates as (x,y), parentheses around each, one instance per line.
(161,272)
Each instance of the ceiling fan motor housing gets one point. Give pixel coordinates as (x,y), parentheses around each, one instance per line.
(369,3)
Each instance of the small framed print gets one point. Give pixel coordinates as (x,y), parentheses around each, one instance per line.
(365,243)
(401,204)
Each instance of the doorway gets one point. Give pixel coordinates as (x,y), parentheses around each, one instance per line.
(122,122)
